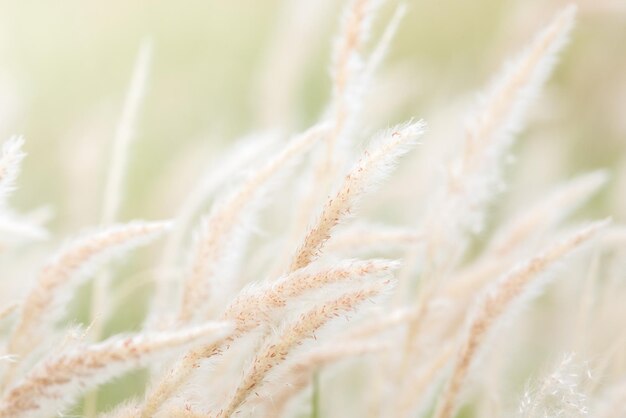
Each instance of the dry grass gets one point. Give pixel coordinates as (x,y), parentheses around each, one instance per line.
(249,324)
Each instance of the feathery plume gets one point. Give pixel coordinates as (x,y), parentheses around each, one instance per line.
(474,177)
(532,222)
(496,302)
(12,226)
(245,152)
(278,348)
(65,271)
(556,206)
(11,158)
(501,114)
(349,82)
(222,229)
(251,306)
(55,382)
(559,394)
(347,70)
(256,301)
(376,162)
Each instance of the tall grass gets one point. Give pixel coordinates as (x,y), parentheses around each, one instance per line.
(335,309)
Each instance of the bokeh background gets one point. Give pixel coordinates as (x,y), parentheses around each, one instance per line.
(223,69)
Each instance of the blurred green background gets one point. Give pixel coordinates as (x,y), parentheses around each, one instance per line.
(65,68)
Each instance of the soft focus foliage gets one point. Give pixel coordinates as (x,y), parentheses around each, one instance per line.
(464,216)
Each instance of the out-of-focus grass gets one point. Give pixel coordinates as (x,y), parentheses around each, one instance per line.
(65,67)
(69,62)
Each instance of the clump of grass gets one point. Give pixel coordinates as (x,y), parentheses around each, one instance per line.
(230,335)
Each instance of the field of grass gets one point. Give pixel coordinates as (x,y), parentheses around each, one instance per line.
(364,208)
